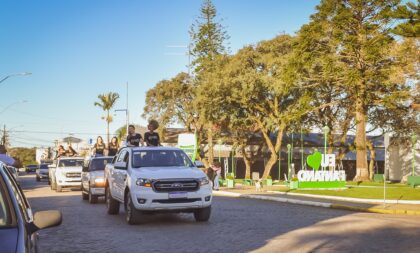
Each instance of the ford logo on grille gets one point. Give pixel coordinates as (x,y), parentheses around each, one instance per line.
(176,185)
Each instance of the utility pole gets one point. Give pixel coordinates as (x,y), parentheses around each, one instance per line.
(4,137)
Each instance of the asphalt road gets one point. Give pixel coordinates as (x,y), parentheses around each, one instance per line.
(236,225)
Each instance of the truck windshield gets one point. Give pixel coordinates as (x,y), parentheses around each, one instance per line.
(161,158)
(70,163)
(99,164)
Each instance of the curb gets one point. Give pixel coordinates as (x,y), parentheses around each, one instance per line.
(375,210)
(317,204)
(380,201)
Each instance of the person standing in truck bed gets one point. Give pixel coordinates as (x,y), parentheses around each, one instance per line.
(134,139)
(152,138)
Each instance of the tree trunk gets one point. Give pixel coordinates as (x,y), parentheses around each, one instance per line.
(210,143)
(107,128)
(372,159)
(274,149)
(247,162)
(362,173)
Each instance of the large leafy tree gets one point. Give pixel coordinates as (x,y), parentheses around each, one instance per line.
(107,102)
(361,46)
(251,95)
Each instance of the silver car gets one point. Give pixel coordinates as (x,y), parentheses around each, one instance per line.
(42,172)
(93,182)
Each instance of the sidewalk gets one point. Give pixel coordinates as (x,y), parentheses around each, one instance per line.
(372,206)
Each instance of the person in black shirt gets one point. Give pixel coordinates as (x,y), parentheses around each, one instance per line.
(113,147)
(134,139)
(99,147)
(152,138)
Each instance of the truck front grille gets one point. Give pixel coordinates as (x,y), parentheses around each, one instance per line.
(176,185)
(74,174)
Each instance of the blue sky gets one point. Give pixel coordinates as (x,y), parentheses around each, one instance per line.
(78,49)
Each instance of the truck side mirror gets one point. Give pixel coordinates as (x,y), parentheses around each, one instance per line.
(120,165)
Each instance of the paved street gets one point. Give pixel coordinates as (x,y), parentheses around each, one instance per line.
(236,225)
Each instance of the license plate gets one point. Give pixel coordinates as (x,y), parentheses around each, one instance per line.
(178,195)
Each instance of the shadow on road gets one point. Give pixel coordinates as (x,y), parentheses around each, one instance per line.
(236,225)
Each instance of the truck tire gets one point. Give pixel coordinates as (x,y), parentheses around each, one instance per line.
(132,215)
(38,179)
(93,199)
(84,195)
(112,205)
(53,186)
(202,214)
(59,188)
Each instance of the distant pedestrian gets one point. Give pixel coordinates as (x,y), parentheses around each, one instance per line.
(113,146)
(152,138)
(134,139)
(217,168)
(8,160)
(210,174)
(99,147)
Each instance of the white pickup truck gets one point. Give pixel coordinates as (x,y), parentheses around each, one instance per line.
(67,172)
(156,179)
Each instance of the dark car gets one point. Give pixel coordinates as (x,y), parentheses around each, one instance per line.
(31,168)
(18,226)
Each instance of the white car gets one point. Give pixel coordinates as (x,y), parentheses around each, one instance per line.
(156,179)
(93,180)
(67,172)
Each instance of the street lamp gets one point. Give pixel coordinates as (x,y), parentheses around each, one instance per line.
(18,74)
(126,118)
(220,146)
(414,142)
(326,129)
(289,147)
(12,104)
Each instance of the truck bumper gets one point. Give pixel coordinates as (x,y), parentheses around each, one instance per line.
(148,200)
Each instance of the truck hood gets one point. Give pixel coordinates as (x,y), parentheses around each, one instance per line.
(168,172)
(69,169)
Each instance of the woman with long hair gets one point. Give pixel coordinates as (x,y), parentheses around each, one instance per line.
(99,147)
(113,146)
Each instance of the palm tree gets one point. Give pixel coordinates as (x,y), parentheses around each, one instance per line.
(106,102)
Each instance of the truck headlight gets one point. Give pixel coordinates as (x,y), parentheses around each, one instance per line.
(204,181)
(144,182)
(99,182)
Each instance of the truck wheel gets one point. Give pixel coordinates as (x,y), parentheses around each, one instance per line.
(132,215)
(202,214)
(84,195)
(112,205)
(38,179)
(59,188)
(53,185)
(93,199)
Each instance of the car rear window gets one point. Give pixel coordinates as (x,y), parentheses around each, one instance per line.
(99,164)
(43,166)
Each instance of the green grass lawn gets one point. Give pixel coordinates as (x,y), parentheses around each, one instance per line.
(400,193)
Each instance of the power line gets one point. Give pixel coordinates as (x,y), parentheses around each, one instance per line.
(52,132)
